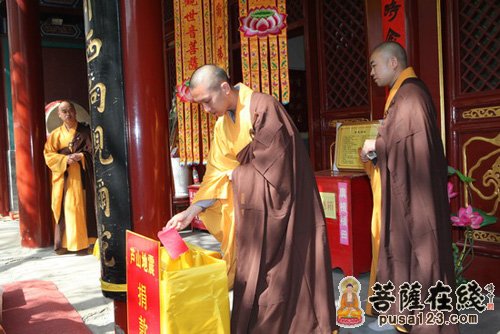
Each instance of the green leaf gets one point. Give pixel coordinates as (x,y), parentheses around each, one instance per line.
(462,177)
(262,13)
(487,219)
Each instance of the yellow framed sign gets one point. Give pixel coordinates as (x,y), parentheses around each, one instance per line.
(350,138)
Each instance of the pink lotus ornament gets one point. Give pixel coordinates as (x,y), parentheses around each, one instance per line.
(262,22)
(183,92)
(451,193)
(467,217)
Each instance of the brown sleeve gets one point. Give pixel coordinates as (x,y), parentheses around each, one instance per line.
(268,153)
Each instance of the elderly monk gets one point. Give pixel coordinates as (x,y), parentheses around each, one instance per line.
(415,233)
(68,154)
(260,200)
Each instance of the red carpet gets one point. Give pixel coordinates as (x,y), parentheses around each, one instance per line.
(37,307)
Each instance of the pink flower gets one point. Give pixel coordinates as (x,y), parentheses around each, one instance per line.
(183,92)
(262,22)
(467,217)
(451,193)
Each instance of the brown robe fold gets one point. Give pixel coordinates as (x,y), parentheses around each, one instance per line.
(283,279)
(415,240)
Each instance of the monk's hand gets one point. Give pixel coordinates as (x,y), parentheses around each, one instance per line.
(181,220)
(74,158)
(71,160)
(77,156)
(368,146)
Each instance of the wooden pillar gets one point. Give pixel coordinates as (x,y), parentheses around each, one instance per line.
(29,123)
(145,104)
(4,150)
(147,114)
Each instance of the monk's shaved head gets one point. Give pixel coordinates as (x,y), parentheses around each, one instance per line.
(210,87)
(62,102)
(210,75)
(393,49)
(387,62)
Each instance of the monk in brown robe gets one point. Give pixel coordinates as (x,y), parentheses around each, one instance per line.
(68,154)
(283,281)
(415,235)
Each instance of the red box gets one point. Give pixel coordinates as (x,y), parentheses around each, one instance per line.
(196,223)
(348,203)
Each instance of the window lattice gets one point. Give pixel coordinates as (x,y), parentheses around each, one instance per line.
(294,11)
(479,34)
(345,53)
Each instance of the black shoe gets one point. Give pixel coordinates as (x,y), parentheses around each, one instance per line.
(82,252)
(61,251)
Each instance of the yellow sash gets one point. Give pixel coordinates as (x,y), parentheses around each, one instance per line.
(407,73)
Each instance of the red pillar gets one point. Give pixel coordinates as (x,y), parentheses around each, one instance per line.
(29,123)
(4,148)
(145,104)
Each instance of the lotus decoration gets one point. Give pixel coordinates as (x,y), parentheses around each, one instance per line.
(262,22)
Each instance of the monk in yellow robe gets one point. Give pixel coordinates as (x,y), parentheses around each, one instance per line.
(68,154)
(259,199)
(213,201)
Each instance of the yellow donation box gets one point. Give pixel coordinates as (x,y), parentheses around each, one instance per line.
(185,295)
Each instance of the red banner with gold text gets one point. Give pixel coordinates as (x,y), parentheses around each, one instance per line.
(394,21)
(200,38)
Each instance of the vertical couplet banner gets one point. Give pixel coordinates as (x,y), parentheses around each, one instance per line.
(264,51)
(394,21)
(393,24)
(200,38)
(107,106)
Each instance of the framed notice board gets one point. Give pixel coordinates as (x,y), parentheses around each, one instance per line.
(350,138)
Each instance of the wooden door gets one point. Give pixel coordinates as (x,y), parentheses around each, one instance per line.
(337,76)
(472,99)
